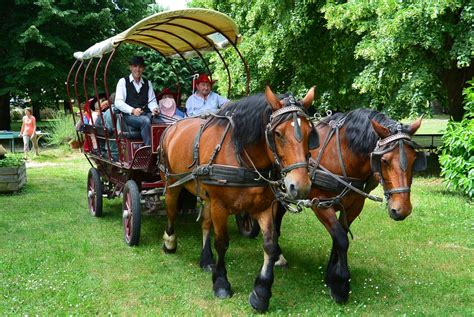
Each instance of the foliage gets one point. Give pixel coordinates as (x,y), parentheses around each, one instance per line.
(457,159)
(12,160)
(39,38)
(287,46)
(62,130)
(407,47)
(392,55)
(59,260)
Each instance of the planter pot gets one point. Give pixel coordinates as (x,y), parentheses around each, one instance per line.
(12,178)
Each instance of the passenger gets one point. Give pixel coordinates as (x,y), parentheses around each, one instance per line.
(136,99)
(106,107)
(168,112)
(204,101)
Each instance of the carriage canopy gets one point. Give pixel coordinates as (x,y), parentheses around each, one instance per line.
(174,32)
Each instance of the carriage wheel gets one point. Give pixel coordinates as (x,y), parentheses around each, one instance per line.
(248,227)
(94,192)
(131,215)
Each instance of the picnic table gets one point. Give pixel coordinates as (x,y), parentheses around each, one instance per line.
(13,135)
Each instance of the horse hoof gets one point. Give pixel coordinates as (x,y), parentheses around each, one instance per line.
(169,251)
(257,303)
(282,262)
(222,293)
(339,298)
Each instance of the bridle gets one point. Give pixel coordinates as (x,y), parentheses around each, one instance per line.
(278,117)
(389,144)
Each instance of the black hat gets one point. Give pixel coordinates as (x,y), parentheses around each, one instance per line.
(136,60)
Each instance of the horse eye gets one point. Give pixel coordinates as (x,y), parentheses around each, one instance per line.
(278,134)
(385,162)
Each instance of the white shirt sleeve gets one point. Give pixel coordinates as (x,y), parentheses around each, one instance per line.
(152,104)
(121,96)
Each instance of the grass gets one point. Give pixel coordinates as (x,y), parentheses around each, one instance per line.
(435,125)
(56,259)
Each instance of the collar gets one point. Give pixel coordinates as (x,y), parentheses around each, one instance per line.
(130,79)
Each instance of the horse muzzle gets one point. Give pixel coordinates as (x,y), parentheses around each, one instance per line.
(398,211)
(297,184)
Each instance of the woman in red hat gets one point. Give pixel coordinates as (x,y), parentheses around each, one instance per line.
(204,100)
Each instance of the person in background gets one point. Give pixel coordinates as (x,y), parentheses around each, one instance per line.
(28,131)
(204,101)
(136,99)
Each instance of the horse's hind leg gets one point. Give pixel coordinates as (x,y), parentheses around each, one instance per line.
(262,292)
(220,282)
(207,260)
(337,272)
(169,237)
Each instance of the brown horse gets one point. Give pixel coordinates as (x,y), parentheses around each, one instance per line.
(358,147)
(227,161)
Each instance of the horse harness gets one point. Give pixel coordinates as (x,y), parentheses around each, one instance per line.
(388,144)
(323,179)
(226,175)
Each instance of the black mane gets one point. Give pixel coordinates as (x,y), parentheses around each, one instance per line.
(251,115)
(360,134)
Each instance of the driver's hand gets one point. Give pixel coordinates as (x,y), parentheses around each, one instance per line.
(137,111)
(155,111)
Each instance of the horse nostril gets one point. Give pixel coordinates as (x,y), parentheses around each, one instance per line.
(292,190)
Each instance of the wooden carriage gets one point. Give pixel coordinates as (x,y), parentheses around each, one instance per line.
(121,165)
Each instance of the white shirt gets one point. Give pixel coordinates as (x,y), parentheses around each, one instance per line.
(121,95)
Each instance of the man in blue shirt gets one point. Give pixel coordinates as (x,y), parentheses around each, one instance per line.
(204,101)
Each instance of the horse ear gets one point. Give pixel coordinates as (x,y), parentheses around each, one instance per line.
(415,125)
(382,131)
(308,99)
(272,99)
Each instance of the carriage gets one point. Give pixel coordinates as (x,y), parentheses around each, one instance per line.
(121,165)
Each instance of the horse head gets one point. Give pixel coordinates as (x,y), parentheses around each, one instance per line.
(289,134)
(393,162)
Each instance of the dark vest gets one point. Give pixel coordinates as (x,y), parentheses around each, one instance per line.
(135,99)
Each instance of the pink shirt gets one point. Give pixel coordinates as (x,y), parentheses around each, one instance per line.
(29,126)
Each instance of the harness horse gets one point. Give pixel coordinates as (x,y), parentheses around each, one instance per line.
(230,165)
(359,149)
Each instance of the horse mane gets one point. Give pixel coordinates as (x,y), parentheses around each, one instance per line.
(251,115)
(361,136)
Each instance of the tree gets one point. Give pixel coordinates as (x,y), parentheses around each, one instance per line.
(40,37)
(415,51)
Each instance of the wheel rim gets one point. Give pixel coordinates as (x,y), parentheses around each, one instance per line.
(127,217)
(91,195)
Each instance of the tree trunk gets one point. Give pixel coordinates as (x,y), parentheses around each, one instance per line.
(5,112)
(455,80)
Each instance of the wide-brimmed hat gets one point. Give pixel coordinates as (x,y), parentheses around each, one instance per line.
(167,91)
(203,78)
(137,60)
(167,106)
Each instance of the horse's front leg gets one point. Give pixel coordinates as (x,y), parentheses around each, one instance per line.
(281,262)
(219,217)
(262,292)
(337,272)
(169,237)
(206,261)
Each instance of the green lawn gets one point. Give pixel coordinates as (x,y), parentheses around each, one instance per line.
(56,259)
(435,125)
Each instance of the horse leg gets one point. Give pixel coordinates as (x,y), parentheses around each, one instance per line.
(281,262)
(337,271)
(206,261)
(169,237)
(221,285)
(262,292)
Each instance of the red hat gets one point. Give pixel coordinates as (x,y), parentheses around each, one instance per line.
(203,78)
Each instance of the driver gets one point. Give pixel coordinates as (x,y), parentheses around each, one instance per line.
(135,98)
(204,100)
